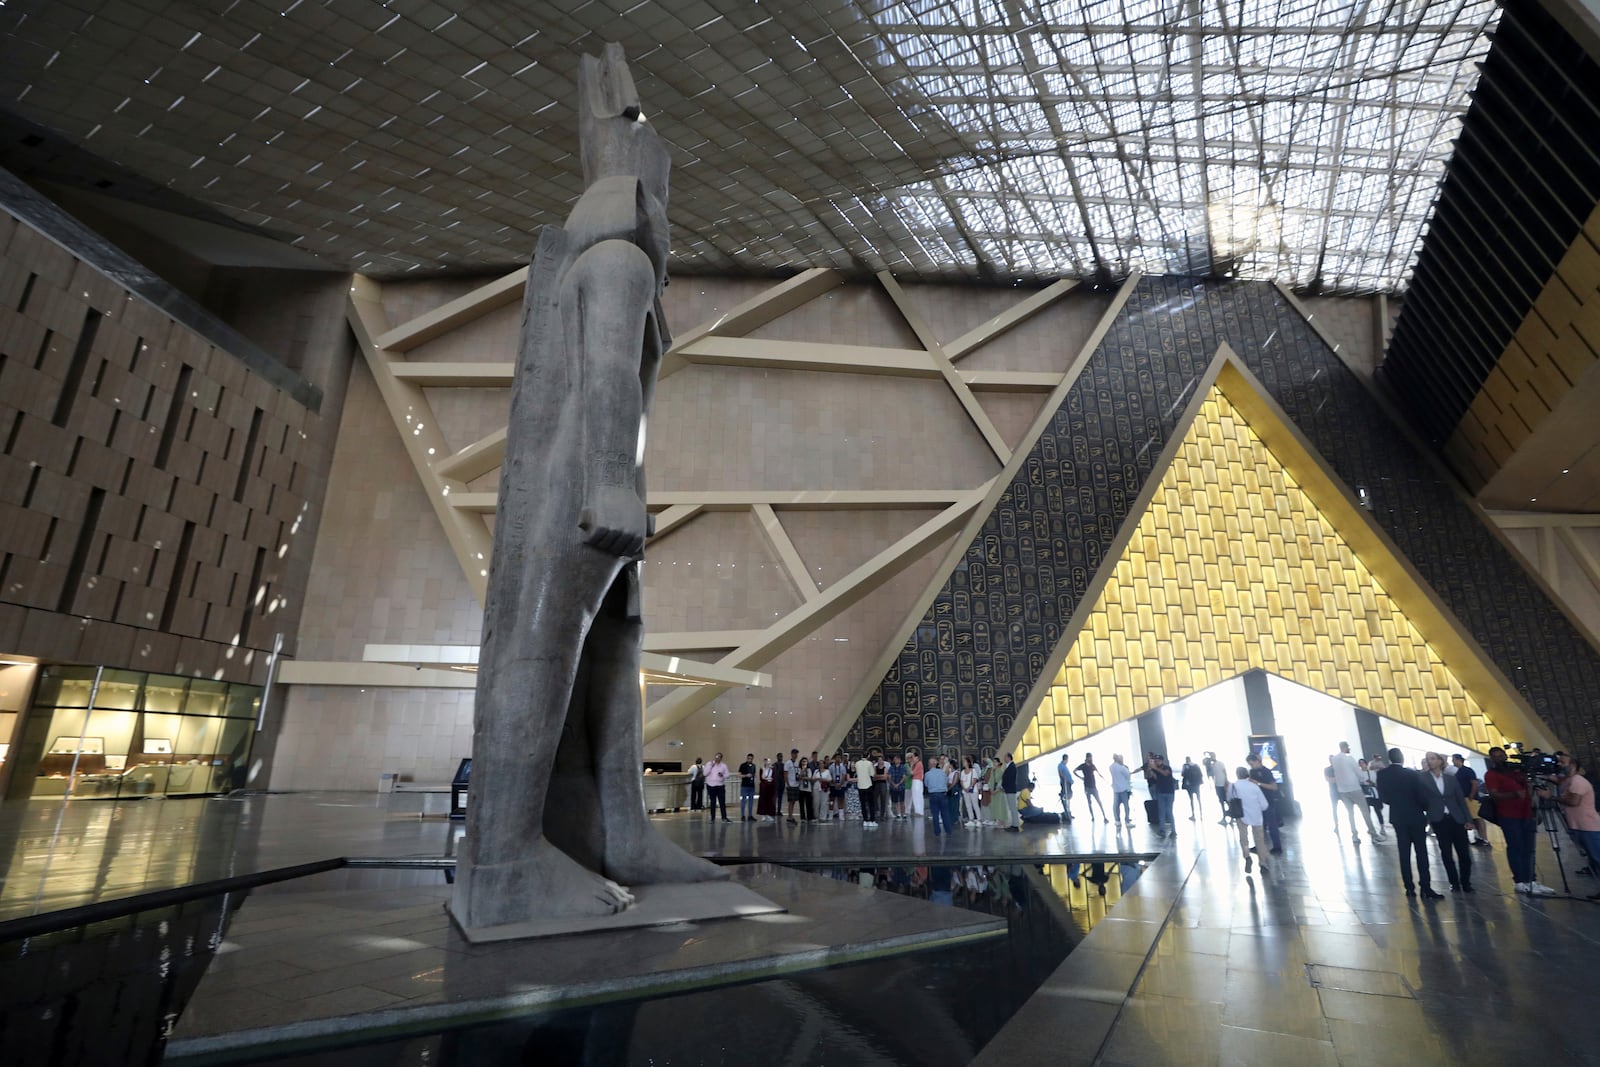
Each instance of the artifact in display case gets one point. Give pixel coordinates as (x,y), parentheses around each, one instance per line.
(157,746)
(87,746)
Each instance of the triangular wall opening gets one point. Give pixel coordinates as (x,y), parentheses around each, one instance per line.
(1236,564)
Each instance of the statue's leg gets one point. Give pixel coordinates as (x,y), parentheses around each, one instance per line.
(512,871)
(635,854)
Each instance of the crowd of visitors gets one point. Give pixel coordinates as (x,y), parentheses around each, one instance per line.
(951,790)
(1442,799)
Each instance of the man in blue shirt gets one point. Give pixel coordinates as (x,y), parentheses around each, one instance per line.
(937,783)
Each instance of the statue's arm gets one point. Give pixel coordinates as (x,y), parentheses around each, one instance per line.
(606,301)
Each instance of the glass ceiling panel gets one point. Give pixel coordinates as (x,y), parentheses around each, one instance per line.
(1301,140)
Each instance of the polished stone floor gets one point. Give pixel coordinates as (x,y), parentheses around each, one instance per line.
(303,962)
(1323,960)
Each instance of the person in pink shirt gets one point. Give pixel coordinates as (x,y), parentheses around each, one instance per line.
(915,760)
(717,787)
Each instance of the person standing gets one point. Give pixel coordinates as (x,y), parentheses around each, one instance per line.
(1577,807)
(717,787)
(1253,806)
(1449,817)
(1218,774)
(1064,772)
(747,788)
(1347,786)
(1164,788)
(914,759)
(839,775)
(1193,777)
(821,800)
(1121,792)
(864,789)
(697,785)
(971,780)
(1467,778)
(767,795)
(898,776)
(953,794)
(880,787)
(934,778)
(1086,772)
(1262,776)
(791,780)
(1513,802)
(1009,786)
(1404,791)
(997,797)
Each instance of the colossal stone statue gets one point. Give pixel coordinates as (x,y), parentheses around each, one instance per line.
(556,819)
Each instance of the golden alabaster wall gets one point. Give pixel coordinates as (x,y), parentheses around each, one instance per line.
(1234,566)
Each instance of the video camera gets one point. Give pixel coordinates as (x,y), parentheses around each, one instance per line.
(1538,767)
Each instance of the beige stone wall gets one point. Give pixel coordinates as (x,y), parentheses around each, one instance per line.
(383,571)
(83,421)
(1574,585)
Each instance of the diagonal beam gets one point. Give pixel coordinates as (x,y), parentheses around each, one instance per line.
(695,640)
(419,431)
(851,709)
(457,313)
(788,631)
(672,517)
(476,460)
(936,353)
(756,312)
(778,538)
(1008,320)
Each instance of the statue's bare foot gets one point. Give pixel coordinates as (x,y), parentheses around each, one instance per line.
(638,855)
(542,883)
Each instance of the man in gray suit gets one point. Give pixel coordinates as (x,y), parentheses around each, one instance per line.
(1447,812)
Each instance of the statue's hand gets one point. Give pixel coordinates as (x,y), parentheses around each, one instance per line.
(614,521)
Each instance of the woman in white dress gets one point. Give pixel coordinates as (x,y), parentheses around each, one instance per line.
(971,815)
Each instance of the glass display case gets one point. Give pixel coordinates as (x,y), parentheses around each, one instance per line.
(146,735)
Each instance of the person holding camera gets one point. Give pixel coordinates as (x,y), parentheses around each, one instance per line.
(1577,808)
(1506,785)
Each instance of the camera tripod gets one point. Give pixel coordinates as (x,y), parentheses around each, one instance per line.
(1545,818)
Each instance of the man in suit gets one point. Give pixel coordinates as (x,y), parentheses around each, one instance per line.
(1448,813)
(1403,790)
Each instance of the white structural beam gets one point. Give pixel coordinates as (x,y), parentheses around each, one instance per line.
(742,499)
(672,517)
(1008,320)
(793,627)
(419,432)
(946,369)
(756,312)
(1532,520)
(787,554)
(457,375)
(456,660)
(476,460)
(458,312)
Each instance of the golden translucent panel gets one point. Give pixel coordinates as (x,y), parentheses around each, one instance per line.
(1232,568)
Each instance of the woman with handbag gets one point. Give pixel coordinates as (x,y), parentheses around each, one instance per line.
(767,792)
(1247,806)
(803,779)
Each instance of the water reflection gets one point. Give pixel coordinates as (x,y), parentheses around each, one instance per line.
(941,1005)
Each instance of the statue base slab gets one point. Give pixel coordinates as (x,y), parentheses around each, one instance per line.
(654,905)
